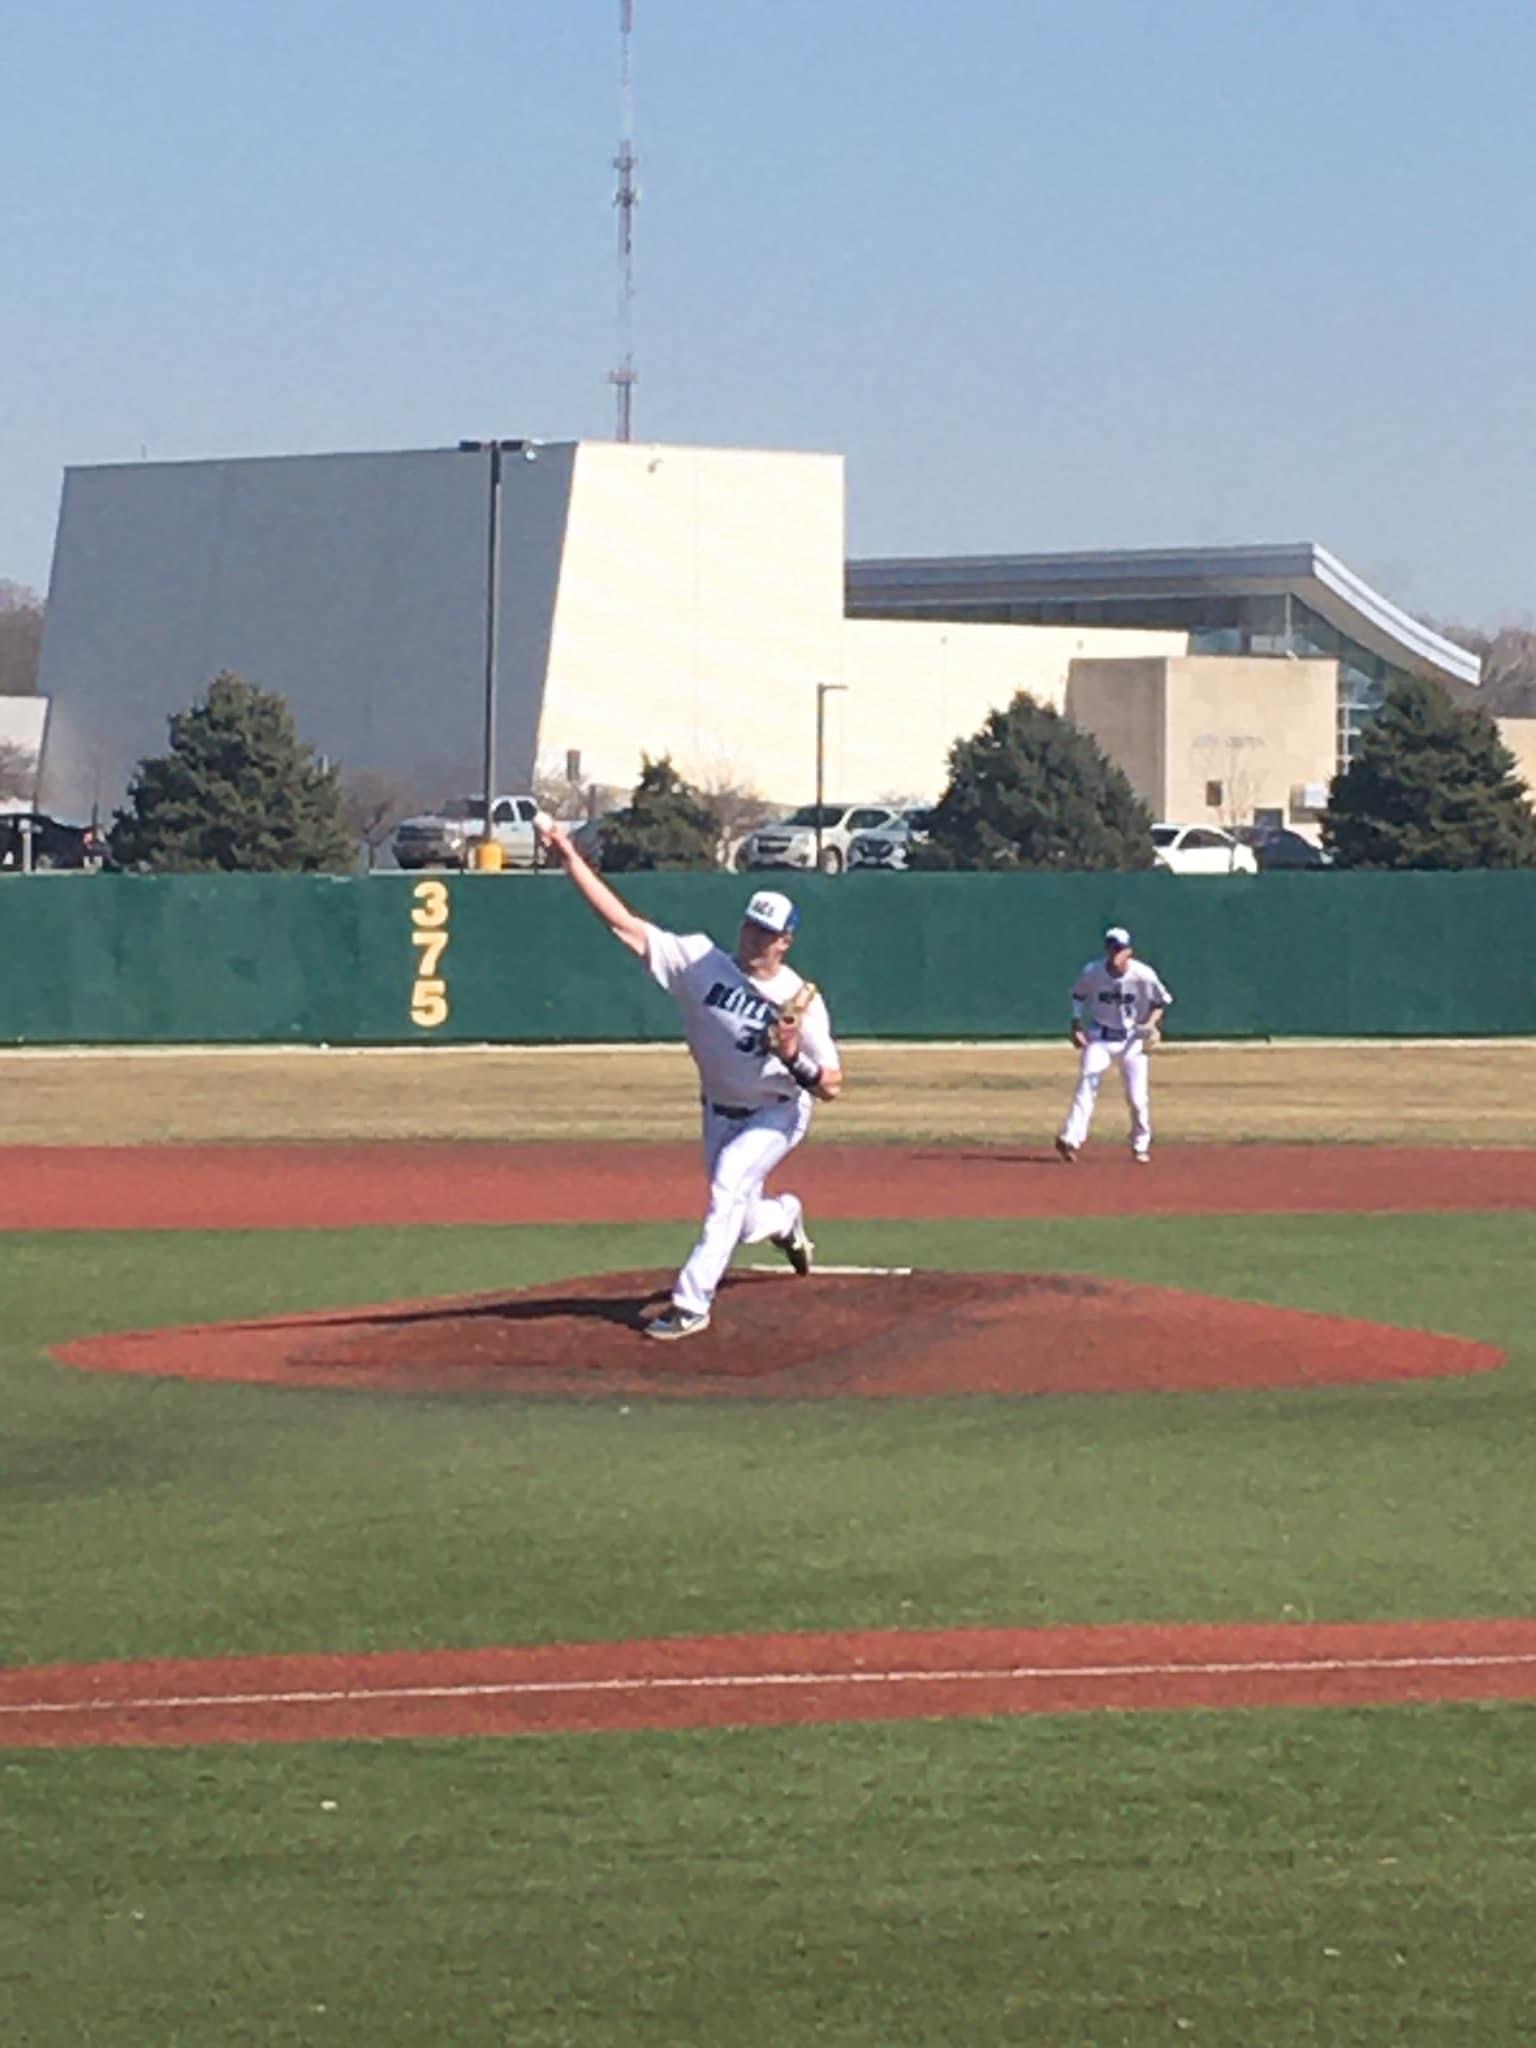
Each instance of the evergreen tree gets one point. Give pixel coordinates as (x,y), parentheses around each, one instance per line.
(1433,786)
(1032,790)
(236,790)
(666,824)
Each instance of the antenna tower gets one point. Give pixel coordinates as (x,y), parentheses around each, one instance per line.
(625,199)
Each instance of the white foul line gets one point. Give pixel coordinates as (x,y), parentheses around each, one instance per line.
(745,1680)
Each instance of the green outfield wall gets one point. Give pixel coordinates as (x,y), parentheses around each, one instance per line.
(397,959)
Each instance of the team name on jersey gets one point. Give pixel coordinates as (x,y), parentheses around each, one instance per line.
(739,1002)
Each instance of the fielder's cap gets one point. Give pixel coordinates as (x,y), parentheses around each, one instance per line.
(1117,935)
(775,913)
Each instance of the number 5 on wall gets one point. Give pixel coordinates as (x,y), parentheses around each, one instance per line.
(429,1003)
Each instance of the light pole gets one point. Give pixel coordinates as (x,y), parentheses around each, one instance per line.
(495,449)
(823,691)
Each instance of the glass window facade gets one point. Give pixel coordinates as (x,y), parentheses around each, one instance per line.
(1275,623)
(1364,678)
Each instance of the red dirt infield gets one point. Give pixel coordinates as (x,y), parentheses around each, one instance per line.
(836,1334)
(764,1681)
(292,1187)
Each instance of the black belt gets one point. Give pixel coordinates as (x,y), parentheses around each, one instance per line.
(735,1115)
(1113,1033)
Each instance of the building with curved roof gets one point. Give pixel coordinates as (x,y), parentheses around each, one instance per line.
(1293,599)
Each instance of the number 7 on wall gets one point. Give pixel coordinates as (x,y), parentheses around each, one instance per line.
(431,946)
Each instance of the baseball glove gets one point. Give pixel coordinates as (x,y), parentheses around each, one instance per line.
(783,1034)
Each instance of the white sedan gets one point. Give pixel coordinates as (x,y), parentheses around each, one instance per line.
(1201,850)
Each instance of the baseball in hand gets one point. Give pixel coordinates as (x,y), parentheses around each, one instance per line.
(543,821)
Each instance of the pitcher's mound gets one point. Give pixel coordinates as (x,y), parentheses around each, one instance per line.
(866,1334)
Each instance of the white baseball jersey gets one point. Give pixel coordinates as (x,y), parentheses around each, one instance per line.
(725,1016)
(1111,1006)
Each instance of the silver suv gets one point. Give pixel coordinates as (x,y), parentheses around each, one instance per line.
(791,842)
(442,838)
(892,845)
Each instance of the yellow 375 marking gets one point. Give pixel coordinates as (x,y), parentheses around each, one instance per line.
(429,936)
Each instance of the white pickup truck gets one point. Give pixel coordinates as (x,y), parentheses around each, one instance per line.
(443,838)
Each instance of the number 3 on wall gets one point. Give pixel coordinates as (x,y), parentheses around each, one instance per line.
(429,936)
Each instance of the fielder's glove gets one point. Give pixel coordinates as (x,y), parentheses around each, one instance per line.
(783,1034)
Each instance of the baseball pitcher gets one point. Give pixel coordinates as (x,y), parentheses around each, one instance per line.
(1117,1010)
(762,1042)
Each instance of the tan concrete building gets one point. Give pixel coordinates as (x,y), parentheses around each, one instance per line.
(1519,735)
(1214,739)
(699,605)
(923,685)
(695,602)
(650,600)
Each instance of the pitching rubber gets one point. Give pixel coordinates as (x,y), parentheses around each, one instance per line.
(884,1272)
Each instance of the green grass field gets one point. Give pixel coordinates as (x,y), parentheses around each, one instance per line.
(1236,1878)
(1428,1093)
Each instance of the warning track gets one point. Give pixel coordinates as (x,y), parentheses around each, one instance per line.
(297,1187)
(765,1681)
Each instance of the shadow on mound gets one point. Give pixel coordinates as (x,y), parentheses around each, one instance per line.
(777,1338)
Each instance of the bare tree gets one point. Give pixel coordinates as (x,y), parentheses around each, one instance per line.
(1233,781)
(18,770)
(1508,656)
(374,801)
(739,808)
(1509,673)
(556,793)
(21,639)
(1240,783)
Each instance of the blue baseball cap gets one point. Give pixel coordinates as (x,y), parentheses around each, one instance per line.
(775,913)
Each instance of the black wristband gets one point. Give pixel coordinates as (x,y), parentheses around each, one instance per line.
(804,1070)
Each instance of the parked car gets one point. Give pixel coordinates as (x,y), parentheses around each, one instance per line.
(53,844)
(1201,850)
(587,838)
(734,852)
(443,838)
(791,842)
(1277,846)
(890,846)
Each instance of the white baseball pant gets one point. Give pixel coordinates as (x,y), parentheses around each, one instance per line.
(1099,1054)
(739,1155)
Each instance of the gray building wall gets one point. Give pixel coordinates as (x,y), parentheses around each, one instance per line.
(353,584)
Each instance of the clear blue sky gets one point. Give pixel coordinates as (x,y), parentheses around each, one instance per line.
(1051,273)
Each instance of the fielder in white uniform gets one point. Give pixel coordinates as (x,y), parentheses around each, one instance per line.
(756,1103)
(1117,1008)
